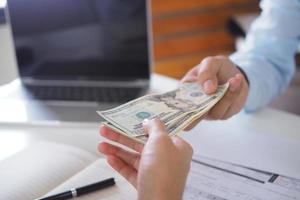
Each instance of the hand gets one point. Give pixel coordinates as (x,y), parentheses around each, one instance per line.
(213,71)
(157,170)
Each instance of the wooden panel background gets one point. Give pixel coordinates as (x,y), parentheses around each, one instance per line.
(186,31)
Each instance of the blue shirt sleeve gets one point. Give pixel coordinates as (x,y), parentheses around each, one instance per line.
(268,56)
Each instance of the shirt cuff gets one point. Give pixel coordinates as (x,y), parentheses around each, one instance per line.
(254,100)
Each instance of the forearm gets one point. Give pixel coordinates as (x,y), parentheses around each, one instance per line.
(265,81)
(267,57)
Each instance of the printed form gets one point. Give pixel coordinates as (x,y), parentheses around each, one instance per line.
(211,179)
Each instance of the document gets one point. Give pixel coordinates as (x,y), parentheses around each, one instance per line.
(211,179)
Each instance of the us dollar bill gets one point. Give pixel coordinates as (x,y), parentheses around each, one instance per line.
(176,109)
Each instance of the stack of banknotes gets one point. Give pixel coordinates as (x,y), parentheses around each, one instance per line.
(177,109)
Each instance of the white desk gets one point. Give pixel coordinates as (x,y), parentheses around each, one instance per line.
(214,139)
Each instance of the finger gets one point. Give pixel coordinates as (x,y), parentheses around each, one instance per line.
(154,127)
(117,137)
(128,172)
(220,109)
(207,74)
(235,83)
(183,146)
(194,123)
(232,110)
(132,159)
(237,106)
(190,76)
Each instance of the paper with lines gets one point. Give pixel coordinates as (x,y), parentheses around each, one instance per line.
(216,180)
(40,168)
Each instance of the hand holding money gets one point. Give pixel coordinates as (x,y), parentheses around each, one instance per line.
(215,70)
(176,109)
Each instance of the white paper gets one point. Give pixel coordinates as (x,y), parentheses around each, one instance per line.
(97,171)
(214,180)
(238,141)
(39,168)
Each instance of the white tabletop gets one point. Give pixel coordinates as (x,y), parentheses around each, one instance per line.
(245,128)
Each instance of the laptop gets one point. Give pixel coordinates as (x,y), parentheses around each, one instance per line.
(78,56)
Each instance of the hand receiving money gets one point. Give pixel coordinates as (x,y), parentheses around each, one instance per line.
(176,109)
(150,167)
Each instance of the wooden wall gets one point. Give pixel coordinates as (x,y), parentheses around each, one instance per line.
(186,31)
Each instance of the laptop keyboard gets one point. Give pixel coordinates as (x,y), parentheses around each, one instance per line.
(94,94)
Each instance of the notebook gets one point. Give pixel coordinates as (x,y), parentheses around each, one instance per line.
(48,168)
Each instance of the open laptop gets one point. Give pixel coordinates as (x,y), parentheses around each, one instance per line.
(78,56)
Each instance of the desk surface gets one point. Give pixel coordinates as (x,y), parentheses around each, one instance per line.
(269,122)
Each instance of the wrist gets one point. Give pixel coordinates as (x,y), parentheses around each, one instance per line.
(158,197)
(161,193)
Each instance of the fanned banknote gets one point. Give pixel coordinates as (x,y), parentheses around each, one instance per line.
(176,109)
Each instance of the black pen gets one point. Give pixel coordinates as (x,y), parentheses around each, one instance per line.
(76,192)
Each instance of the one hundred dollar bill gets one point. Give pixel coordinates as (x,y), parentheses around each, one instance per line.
(176,109)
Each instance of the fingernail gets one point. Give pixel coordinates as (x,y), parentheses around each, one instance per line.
(149,123)
(207,85)
(146,123)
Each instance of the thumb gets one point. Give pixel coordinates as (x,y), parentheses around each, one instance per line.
(207,74)
(154,128)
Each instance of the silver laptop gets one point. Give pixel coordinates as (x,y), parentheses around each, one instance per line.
(78,56)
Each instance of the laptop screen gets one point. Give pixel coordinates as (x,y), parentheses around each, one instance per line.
(80,39)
